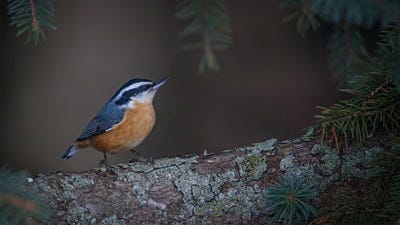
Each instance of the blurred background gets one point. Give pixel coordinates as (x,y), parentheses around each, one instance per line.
(270,81)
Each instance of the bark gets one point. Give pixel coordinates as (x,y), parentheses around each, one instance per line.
(222,188)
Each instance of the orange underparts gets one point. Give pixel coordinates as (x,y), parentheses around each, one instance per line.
(130,132)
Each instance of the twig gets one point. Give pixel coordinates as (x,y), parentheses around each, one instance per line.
(34,18)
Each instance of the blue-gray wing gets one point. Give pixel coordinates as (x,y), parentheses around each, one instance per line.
(106,119)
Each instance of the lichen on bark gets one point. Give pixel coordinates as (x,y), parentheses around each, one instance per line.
(225,187)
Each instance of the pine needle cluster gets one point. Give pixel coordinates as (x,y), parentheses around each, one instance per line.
(208,29)
(31,17)
(19,205)
(376,104)
(388,53)
(288,200)
(375,101)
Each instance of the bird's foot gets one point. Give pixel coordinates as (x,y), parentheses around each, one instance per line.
(103,164)
(108,168)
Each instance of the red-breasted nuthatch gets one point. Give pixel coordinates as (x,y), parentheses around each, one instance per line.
(123,122)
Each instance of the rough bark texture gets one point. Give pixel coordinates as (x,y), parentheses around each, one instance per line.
(223,188)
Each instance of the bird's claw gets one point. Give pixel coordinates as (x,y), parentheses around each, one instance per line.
(103,163)
(108,168)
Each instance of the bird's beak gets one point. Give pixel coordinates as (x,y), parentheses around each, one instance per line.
(160,83)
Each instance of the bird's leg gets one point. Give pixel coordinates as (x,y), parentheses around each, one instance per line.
(137,157)
(103,162)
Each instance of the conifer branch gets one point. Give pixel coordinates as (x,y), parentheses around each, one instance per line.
(208,29)
(31,17)
(34,19)
(388,59)
(376,105)
(348,55)
(300,10)
(347,52)
(18,204)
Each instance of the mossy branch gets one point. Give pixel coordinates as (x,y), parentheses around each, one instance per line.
(227,187)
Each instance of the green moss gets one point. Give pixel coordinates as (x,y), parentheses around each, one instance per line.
(284,143)
(112,220)
(165,162)
(309,135)
(168,169)
(239,200)
(76,181)
(268,145)
(308,175)
(140,185)
(195,187)
(355,162)
(203,195)
(251,166)
(70,183)
(329,162)
(137,166)
(318,149)
(287,163)
(44,187)
(79,216)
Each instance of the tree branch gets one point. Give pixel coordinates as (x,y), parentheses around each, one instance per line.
(34,18)
(223,188)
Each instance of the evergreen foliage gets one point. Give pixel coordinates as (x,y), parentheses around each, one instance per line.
(300,10)
(388,53)
(374,83)
(376,104)
(347,52)
(18,205)
(31,17)
(208,29)
(288,200)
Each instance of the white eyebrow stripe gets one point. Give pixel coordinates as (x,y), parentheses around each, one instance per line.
(132,86)
(135,85)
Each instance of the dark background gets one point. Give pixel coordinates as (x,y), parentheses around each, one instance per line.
(271,79)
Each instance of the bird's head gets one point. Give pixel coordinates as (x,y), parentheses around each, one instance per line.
(137,91)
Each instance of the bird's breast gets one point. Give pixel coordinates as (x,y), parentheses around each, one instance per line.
(134,127)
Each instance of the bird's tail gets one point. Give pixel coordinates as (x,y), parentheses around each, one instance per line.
(72,150)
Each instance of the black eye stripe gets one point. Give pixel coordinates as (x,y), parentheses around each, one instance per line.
(126,96)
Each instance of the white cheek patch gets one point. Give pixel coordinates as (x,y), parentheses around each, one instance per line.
(130,105)
(145,97)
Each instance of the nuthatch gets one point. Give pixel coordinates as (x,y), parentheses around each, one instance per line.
(123,122)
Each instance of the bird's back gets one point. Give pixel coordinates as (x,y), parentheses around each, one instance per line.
(109,116)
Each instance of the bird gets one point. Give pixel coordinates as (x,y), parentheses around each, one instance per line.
(123,122)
